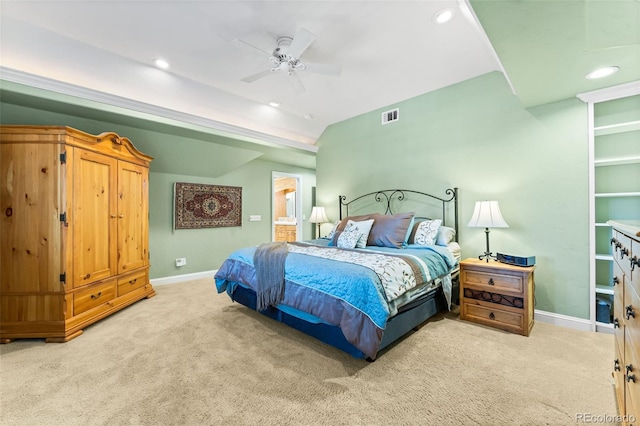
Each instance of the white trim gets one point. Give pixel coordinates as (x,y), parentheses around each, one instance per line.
(563,320)
(226,129)
(610,93)
(185,277)
(466,9)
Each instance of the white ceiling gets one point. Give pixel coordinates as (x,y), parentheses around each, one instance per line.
(103,50)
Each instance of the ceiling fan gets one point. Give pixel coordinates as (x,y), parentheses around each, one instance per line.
(286,57)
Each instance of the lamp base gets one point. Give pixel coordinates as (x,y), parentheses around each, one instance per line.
(487,256)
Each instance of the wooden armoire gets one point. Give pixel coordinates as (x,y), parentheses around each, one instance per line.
(74,242)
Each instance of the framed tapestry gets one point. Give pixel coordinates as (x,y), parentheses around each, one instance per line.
(206,206)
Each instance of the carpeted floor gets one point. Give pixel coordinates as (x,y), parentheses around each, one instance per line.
(192,357)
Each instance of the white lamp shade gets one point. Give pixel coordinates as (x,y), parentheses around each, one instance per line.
(318,215)
(487,215)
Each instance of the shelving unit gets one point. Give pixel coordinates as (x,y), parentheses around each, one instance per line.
(614,185)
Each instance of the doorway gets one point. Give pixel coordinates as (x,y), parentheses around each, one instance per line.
(286,214)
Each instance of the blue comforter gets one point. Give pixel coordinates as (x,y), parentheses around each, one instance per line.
(339,293)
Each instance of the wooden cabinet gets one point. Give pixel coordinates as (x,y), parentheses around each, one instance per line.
(497,295)
(285,233)
(626,317)
(74,230)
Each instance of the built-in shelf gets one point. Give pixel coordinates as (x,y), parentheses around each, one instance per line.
(616,161)
(629,126)
(604,289)
(617,194)
(607,257)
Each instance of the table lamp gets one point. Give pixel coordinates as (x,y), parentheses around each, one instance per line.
(487,215)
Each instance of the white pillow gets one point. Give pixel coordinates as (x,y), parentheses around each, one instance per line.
(445,235)
(349,237)
(333,231)
(426,232)
(364,227)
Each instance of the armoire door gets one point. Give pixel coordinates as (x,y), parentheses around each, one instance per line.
(94,217)
(133,213)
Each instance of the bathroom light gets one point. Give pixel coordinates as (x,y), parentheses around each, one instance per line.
(274,104)
(443,16)
(602,72)
(161,63)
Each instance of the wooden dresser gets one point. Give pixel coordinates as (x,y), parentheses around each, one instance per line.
(626,317)
(285,233)
(74,230)
(497,295)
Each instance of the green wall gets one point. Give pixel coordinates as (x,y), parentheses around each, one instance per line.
(477,136)
(204,249)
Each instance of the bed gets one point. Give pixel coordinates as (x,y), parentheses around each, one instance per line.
(374,278)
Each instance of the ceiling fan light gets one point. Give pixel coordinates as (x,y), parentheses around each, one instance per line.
(602,72)
(443,16)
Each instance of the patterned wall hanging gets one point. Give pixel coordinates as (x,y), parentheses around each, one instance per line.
(207,206)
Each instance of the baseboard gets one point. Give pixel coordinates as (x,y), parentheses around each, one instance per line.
(180,278)
(563,320)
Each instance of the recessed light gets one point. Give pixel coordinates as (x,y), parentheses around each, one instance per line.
(274,104)
(602,72)
(443,16)
(161,63)
(308,116)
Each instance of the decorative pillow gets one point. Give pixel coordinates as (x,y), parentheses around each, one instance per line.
(409,229)
(364,227)
(349,237)
(426,232)
(343,224)
(445,235)
(389,230)
(333,230)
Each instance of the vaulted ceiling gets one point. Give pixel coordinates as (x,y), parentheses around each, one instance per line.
(389,51)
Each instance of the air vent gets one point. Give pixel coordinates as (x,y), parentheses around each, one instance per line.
(390,116)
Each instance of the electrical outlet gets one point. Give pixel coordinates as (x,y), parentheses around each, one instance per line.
(181,261)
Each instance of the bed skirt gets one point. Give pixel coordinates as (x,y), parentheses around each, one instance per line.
(397,326)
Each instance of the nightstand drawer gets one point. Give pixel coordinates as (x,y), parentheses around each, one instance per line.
(493,282)
(493,317)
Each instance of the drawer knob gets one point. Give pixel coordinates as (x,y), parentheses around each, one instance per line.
(634,262)
(631,378)
(491,281)
(616,365)
(616,323)
(96,296)
(616,280)
(624,252)
(132,282)
(492,316)
(616,244)
(630,312)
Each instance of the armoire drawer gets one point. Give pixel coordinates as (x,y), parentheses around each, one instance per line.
(132,282)
(93,296)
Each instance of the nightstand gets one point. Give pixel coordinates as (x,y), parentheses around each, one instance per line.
(497,294)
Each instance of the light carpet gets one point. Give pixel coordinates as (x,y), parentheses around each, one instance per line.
(190,356)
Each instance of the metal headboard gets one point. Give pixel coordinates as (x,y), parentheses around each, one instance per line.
(389,195)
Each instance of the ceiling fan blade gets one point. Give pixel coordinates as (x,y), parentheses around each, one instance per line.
(327,69)
(301,41)
(257,76)
(296,83)
(245,45)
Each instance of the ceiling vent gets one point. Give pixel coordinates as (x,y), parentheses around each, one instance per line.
(390,116)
